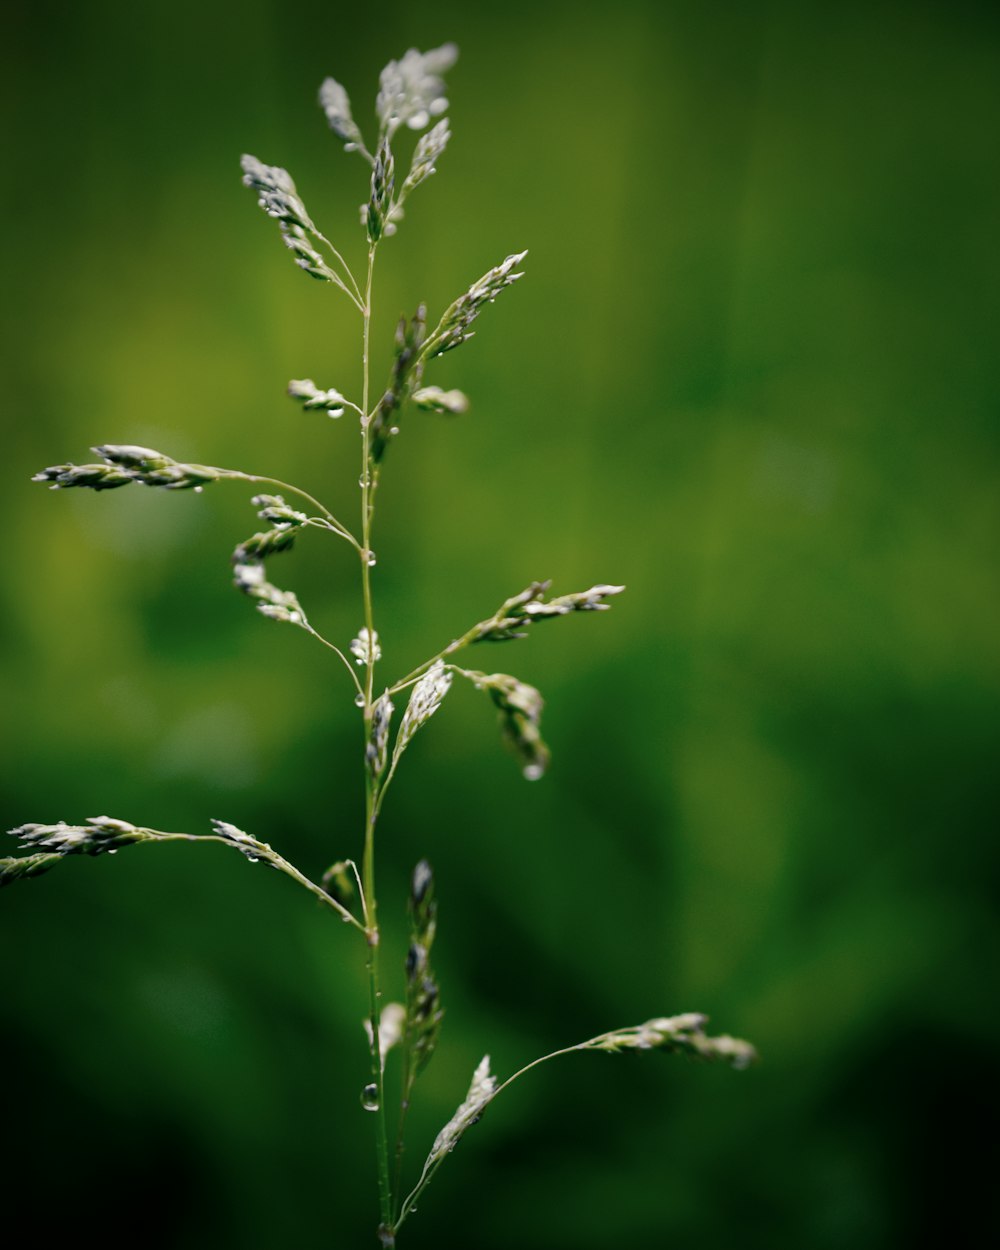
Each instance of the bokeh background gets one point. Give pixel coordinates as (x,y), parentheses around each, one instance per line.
(752,373)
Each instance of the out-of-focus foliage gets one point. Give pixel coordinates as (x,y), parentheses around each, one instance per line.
(752,375)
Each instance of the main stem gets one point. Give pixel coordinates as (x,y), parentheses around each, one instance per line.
(368,862)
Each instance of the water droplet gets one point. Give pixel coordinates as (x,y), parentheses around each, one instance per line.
(114,852)
(369,1098)
(371,559)
(364,481)
(251,859)
(359,700)
(532,772)
(199,490)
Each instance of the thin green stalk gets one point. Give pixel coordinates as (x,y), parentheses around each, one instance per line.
(347,663)
(404,1107)
(371,815)
(455,645)
(270,856)
(338,528)
(356,295)
(367,486)
(374,1014)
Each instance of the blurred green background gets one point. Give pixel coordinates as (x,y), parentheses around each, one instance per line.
(752,373)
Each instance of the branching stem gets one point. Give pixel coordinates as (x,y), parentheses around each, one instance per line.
(347,663)
(269,856)
(356,293)
(335,525)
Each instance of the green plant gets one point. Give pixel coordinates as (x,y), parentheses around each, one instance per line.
(411,94)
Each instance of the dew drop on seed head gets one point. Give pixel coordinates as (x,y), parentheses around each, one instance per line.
(114,852)
(198,490)
(532,772)
(359,700)
(369,1098)
(251,859)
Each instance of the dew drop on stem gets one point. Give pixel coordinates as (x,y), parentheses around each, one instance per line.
(369,1098)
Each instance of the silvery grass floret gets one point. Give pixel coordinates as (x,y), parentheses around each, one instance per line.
(411,95)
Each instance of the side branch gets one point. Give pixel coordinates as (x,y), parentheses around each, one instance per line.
(106,834)
(683,1034)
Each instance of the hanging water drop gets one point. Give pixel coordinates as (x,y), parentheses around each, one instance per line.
(532,772)
(370,559)
(359,700)
(251,859)
(199,490)
(369,1098)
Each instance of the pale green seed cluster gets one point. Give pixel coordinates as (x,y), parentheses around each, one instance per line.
(124,464)
(683,1034)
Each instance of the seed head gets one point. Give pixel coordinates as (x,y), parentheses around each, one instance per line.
(335,104)
(453,328)
(365,648)
(376,752)
(683,1034)
(380,200)
(429,148)
(276,192)
(411,90)
(306,390)
(434,399)
(98,835)
(425,699)
(481,1091)
(274,509)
